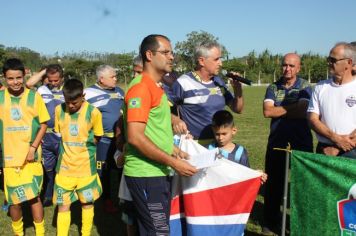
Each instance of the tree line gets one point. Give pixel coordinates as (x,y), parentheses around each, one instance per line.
(264,67)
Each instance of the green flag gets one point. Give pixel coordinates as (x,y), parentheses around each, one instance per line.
(323,195)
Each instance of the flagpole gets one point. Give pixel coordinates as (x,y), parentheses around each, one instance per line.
(285,193)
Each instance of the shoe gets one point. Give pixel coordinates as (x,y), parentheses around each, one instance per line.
(267,232)
(47,202)
(109,207)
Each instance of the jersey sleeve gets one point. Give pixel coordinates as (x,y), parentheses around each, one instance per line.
(314,101)
(244,158)
(270,96)
(97,122)
(43,114)
(138,103)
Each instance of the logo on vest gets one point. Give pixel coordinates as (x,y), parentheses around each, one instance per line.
(350,100)
(347,213)
(73,129)
(16,113)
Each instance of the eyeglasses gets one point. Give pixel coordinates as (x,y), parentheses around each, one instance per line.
(333,60)
(166,52)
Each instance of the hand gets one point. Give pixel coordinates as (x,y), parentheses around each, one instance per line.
(183,168)
(344,142)
(31,154)
(264,176)
(178,153)
(179,126)
(236,85)
(331,151)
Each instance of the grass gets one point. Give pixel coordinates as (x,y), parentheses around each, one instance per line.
(253,130)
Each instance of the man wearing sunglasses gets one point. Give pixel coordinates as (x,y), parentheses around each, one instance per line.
(332,110)
(285,102)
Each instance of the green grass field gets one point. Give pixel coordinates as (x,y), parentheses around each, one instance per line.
(253,131)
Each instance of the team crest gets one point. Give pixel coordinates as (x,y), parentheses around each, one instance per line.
(347,213)
(16,113)
(88,195)
(350,100)
(73,129)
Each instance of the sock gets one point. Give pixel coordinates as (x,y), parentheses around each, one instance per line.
(63,223)
(87,220)
(17,227)
(39,227)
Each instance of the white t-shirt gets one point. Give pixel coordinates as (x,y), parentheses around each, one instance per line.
(336,106)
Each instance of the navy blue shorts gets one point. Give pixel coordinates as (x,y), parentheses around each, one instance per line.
(151,198)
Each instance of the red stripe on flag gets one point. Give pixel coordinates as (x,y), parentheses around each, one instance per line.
(227,200)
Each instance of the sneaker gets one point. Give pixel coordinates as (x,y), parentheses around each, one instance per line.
(47,202)
(109,206)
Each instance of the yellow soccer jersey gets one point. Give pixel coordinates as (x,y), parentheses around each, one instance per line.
(78,150)
(20,121)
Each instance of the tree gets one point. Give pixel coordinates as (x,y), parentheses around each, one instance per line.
(185,50)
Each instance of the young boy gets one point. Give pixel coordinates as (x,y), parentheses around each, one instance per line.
(224,131)
(23,117)
(80,125)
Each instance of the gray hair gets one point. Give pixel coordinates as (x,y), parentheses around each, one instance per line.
(353,44)
(137,61)
(101,69)
(349,50)
(202,49)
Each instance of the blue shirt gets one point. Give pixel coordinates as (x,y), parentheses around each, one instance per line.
(197,102)
(283,130)
(238,154)
(109,102)
(52,98)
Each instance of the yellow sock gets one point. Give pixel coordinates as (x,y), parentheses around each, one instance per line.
(63,223)
(39,227)
(87,220)
(17,227)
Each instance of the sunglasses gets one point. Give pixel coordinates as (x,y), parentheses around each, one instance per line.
(333,60)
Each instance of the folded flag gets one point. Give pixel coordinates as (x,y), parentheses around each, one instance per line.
(215,201)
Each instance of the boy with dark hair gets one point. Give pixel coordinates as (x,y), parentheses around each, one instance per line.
(224,131)
(23,116)
(80,125)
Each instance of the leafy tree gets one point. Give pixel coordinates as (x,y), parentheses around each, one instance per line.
(185,50)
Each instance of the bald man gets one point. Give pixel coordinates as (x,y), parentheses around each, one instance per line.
(286,103)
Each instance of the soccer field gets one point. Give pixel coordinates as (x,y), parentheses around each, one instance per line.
(252,133)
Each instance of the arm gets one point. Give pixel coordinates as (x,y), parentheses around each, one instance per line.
(36,143)
(292,111)
(237,103)
(34,79)
(137,138)
(344,142)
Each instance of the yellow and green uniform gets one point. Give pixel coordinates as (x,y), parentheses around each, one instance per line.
(20,121)
(76,168)
(78,149)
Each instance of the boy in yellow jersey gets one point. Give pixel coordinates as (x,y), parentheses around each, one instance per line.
(80,125)
(23,117)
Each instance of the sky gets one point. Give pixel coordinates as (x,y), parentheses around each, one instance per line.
(118,26)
